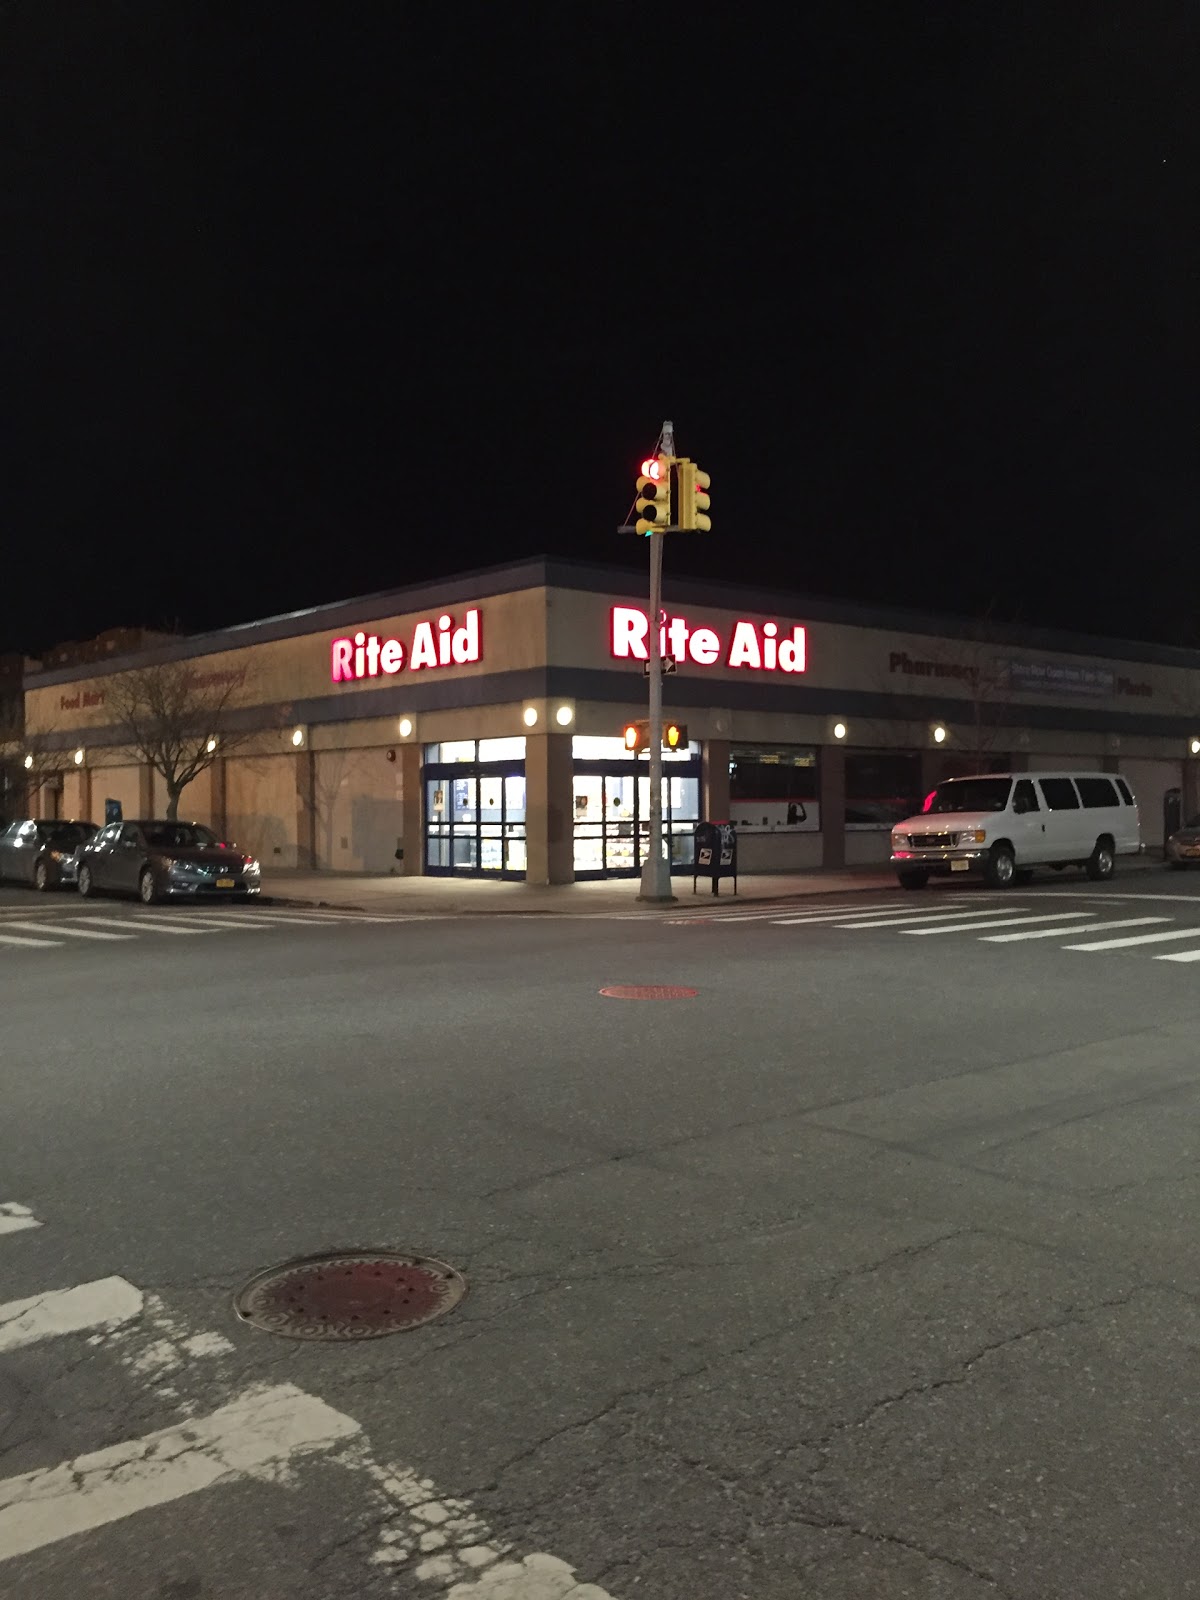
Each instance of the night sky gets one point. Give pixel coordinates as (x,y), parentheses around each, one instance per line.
(302,302)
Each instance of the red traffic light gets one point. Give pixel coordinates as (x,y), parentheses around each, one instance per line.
(652,468)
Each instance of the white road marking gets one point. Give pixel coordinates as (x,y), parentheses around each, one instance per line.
(107,1303)
(28,944)
(1138,938)
(876,918)
(267,918)
(1001,922)
(1181,955)
(1067,933)
(928,916)
(62,932)
(220,920)
(15,1218)
(114,922)
(161,925)
(777,913)
(253,1436)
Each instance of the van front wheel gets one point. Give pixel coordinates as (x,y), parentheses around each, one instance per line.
(913,878)
(1102,862)
(1001,867)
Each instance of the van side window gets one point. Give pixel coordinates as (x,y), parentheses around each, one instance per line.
(1059,794)
(1025,796)
(1096,792)
(1123,790)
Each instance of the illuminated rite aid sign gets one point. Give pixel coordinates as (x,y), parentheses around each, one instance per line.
(434,644)
(760,646)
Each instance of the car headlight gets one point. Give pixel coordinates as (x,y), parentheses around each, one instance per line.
(900,840)
(973,836)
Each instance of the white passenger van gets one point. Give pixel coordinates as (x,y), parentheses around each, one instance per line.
(1004,824)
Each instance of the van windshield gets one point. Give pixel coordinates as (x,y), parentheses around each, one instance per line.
(969,794)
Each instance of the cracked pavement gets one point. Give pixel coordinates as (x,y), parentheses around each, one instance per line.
(858,1277)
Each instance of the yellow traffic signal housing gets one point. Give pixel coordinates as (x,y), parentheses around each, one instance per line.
(637,736)
(654,495)
(675,736)
(693,497)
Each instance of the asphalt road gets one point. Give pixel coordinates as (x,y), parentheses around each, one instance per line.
(869,1271)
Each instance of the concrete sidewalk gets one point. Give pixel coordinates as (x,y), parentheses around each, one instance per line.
(480,896)
(455,897)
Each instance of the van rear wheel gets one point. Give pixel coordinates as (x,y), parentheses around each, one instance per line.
(1102,862)
(1001,867)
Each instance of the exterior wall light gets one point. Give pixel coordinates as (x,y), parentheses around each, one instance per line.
(79,758)
(28,763)
(1193,746)
(406,727)
(564,716)
(939,734)
(210,747)
(839,730)
(529,716)
(297,737)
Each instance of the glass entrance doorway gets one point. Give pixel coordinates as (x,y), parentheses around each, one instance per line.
(475,808)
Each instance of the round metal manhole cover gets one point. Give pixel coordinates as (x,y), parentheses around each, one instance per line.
(647,991)
(350,1295)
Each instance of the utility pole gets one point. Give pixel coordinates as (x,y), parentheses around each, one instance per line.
(656,869)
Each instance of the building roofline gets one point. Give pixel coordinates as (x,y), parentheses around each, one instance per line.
(564,573)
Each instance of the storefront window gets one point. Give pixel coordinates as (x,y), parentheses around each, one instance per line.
(593,747)
(882,787)
(612,808)
(450,750)
(511,749)
(774,788)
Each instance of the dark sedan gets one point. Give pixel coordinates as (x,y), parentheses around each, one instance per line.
(165,860)
(1183,847)
(42,851)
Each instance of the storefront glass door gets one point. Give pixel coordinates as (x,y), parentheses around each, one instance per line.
(474,811)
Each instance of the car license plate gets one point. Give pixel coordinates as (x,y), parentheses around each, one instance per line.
(1190,850)
(960,866)
(224,883)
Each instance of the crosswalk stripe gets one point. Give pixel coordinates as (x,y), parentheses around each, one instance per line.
(161,925)
(28,944)
(776,913)
(108,922)
(255,1434)
(1181,955)
(1067,933)
(267,918)
(63,931)
(15,1218)
(904,913)
(219,920)
(926,916)
(1138,938)
(1001,922)
(107,1303)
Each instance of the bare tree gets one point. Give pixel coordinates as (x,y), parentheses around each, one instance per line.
(28,762)
(178,720)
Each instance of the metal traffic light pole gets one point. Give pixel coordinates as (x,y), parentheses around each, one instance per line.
(656,869)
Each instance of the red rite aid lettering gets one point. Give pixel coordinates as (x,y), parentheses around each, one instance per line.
(434,644)
(760,647)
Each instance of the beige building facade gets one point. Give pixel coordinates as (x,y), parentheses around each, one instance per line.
(475,726)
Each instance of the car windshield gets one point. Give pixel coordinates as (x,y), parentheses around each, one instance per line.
(69,834)
(1193,822)
(177,836)
(969,794)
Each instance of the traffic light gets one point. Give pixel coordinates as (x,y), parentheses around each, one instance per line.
(654,495)
(693,497)
(675,736)
(637,736)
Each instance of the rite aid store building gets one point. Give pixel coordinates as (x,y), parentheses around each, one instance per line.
(475,725)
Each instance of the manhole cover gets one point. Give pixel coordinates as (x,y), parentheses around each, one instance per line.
(647,991)
(350,1296)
